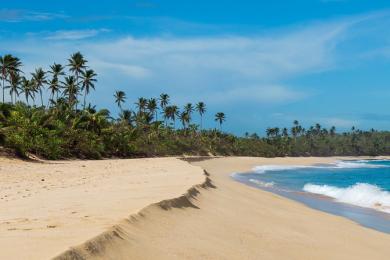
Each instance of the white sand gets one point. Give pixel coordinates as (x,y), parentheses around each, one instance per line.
(47,207)
(222,220)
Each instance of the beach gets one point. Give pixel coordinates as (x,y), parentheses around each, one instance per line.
(166,208)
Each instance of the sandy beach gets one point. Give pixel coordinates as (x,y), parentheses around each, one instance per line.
(166,208)
(48,207)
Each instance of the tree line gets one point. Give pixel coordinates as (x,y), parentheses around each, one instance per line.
(66,124)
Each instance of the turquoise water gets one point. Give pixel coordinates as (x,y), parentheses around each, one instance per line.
(359,190)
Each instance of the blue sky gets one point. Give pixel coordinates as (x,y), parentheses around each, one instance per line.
(264,63)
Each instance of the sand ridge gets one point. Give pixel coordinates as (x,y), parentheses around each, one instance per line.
(219,219)
(47,207)
(233,221)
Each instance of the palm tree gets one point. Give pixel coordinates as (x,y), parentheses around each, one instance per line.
(152,106)
(220,118)
(188,108)
(164,100)
(70,90)
(89,79)
(56,70)
(141,104)
(174,111)
(184,118)
(27,88)
(126,116)
(14,87)
(201,108)
(332,131)
(54,88)
(77,65)
(8,64)
(39,77)
(120,98)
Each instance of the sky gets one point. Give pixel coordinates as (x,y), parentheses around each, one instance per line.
(263,63)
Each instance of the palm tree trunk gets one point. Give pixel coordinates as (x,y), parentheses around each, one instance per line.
(85,96)
(3,88)
(40,93)
(77,85)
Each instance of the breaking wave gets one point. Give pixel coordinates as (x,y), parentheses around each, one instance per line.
(337,165)
(360,194)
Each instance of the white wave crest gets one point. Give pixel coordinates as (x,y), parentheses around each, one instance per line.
(266,168)
(356,164)
(337,165)
(360,194)
(262,183)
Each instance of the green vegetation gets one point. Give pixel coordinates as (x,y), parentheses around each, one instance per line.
(63,129)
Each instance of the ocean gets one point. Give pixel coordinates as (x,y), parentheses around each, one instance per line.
(358,190)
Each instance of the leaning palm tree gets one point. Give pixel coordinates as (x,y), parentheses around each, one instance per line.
(8,64)
(201,108)
(120,98)
(39,77)
(77,65)
(220,118)
(164,100)
(88,80)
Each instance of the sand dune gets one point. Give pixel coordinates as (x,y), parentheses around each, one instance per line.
(47,207)
(218,219)
(228,220)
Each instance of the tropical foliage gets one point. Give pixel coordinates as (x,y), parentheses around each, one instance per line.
(59,128)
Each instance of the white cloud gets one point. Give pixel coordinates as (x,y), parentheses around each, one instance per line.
(20,15)
(339,122)
(73,34)
(264,94)
(226,68)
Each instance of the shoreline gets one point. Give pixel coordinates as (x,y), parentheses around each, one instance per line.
(200,223)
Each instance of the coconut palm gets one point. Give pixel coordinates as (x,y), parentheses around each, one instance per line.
(201,108)
(152,107)
(174,111)
(70,90)
(126,116)
(88,80)
(220,118)
(14,87)
(164,100)
(56,70)
(184,117)
(188,108)
(76,62)
(8,65)
(54,88)
(141,104)
(120,98)
(27,88)
(39,77)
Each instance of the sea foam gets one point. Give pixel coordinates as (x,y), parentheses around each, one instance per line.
(337,165)
(360,194)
